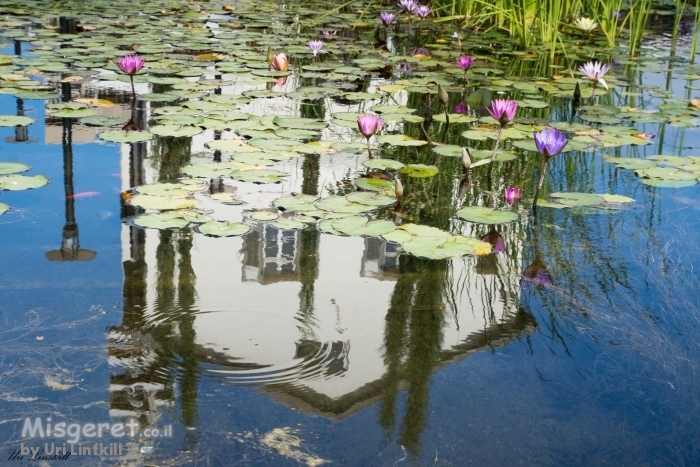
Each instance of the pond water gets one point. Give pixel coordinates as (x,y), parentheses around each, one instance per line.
(292,344)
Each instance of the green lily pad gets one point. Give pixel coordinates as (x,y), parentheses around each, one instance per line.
(342,205)
(175,130)
(577,199)
(383,164)
(161,220)
(299,202)
(264,216)
(288,224)
(258,176)
(370,198)
(486,215)
(326,226)
(375,184)
(419,170)
(358,226)
(667,174)
(616,198)
(13,120)
(102,120)
(632,163)
(4,208)
(163,189)
(656,182)
(12,168)
(231,145)
(163,203)
(121,136)
(22,182)
(223,229)
(226,198)
(400,140)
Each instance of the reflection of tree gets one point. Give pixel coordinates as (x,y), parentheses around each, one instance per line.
(413,338)
(170,154)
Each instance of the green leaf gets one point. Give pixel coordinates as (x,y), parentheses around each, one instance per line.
(4,208)
(419,170)
(400,140)
(383,164)
(175,130)
(370,198)
(162,202)
(121,136)
(12,120)
(258,176)
(486,215)
(299,202)
(164,220)
(22,182)
(340,204)
(12,168)
(358,226)
(577,199)
(223,229)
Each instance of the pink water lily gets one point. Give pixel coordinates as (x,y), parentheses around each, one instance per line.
(315,46)
(503,110)
(536,274)
(550,142)
(130,64)
(464,62)
(369,125)
(326,32)
(461,108)
(280,62)
(496,241)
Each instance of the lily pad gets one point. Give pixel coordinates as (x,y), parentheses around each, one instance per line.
(22,182)
(358,226)
(375,184)
(13,120)
(4,208)
(383,164)
(12,168)
(299,202)
(175,130)
(419,170)
(486,215)
(342,205)
(161,220)
(163,203)
(163,189)
(370,198)
(121,136)
(223,229)
(258,176)
(288,224)
(577,199)
(102,120)
(264,216)
(400,140)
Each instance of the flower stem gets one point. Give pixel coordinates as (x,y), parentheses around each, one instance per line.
(539,187)
(409,27)
(369,149)
(495,150)
(593,93)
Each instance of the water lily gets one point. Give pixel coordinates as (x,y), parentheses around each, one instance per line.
(404,68)
(315,46)
(420,52)
(369,125)
(496,241)
(326,32)
(536,274)
(387,18)
(595,71)
(586,24)
(512,194)
(503,110)
(549,142)
(464,62)
(422,11)
(280,62)
(408,5)
(461,108)
(130,64)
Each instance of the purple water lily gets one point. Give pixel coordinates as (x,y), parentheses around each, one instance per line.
(387,18)
(422,10)
(315,46)
(512,195)
(503,110)
(130,64)
(408,5)
(326,32)
(464,62)
(420,51)
(595,71)
(550,142)
(404,68)
(461,108)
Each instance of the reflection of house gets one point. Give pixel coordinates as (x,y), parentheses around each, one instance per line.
(380,259)
(270,255)
(83,133)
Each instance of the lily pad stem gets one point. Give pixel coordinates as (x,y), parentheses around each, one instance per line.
(539,187)
(495,150)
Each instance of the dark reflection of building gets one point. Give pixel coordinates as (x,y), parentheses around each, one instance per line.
(380,260)
(270,254)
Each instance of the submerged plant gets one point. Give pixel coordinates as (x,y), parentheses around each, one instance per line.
(595,72)
(549,142)
(315,46)
(502,110)
(131,64)
(369,125)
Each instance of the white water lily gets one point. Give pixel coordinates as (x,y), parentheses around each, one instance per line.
(586,24)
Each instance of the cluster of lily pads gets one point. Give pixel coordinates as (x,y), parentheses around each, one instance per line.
(11,178)
(250,45)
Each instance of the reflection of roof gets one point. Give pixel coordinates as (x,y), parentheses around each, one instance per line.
(270,255)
